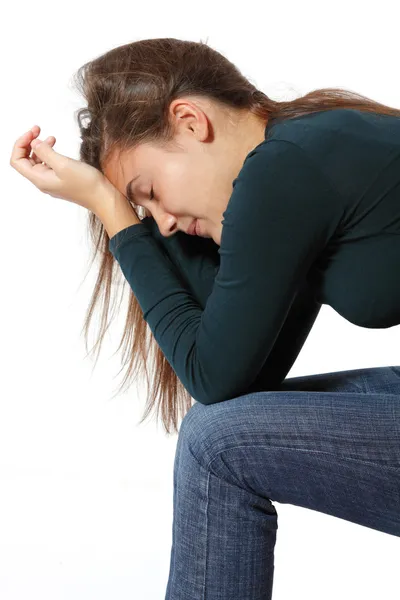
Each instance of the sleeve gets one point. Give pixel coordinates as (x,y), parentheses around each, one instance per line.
(197,259)
(281,214)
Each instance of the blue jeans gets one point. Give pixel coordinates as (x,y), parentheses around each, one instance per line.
(328,442)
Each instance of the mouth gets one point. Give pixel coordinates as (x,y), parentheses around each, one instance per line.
(193,228)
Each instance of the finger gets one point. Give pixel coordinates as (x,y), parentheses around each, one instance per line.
(20,160)
(35,160)
(21,148)
(46,154)
(35,130)
(51,140)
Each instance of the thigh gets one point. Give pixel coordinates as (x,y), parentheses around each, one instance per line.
(337,452)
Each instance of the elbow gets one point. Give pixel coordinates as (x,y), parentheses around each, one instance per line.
(266,381)
(206,397)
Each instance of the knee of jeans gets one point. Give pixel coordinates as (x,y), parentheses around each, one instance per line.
(203,430)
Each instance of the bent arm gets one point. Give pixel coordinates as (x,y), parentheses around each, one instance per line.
(198,261)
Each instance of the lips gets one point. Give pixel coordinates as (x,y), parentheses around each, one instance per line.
(197,229)
(192,228)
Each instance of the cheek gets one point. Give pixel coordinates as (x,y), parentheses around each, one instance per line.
(178,186)
(174,197)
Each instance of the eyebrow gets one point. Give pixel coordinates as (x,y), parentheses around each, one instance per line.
(128,191)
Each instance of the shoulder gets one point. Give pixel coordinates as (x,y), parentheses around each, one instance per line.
(268,157)
(303,128)
(280,165)
(280,182)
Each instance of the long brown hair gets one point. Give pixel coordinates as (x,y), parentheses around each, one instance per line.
(128,91)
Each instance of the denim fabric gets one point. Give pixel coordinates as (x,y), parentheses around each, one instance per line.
(328,442)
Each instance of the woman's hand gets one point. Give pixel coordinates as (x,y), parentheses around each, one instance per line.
(58,175)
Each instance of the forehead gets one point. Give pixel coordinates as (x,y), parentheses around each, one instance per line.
(121,167)
(136,163)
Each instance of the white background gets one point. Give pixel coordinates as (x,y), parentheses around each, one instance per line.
(86,493)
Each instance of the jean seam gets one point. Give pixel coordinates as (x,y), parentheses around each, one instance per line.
(206,518)
(206,515)
(208,467)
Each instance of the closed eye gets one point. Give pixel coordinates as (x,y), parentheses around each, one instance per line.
(140,210)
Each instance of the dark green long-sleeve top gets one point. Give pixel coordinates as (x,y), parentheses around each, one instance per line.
(313,218)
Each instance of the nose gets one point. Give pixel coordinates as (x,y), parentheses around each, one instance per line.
(167,224)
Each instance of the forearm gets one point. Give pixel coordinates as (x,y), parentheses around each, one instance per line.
(116,213)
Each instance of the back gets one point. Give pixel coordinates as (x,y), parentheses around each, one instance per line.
(358,273)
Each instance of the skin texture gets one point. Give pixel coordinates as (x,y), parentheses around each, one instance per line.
(192,178)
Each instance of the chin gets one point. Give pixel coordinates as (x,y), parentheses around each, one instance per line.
(217,236)
(203,234)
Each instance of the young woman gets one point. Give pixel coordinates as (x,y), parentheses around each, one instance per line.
(294,205)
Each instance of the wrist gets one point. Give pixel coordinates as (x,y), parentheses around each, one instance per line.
(116,213)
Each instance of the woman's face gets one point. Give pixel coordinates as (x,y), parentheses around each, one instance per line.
(192,179)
